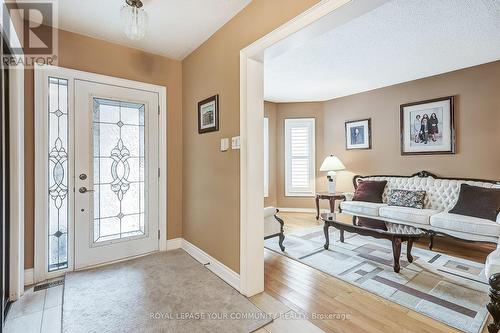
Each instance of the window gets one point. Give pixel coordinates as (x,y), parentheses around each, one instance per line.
(266,157)
(299,157)
(58,174)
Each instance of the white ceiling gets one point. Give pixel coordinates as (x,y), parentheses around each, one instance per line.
(381,44)
(176,27)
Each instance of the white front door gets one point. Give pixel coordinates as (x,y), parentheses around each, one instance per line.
(116,173)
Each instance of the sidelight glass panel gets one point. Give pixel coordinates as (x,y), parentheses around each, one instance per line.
(118,139)
(58,174)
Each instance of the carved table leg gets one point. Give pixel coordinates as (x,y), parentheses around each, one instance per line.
(409,246)
(396,251)
(327,237)
(282,232)
(341,236)
(431,240)
(494,304)
(317,207)
(332,205)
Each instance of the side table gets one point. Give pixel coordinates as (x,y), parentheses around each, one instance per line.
(331,197)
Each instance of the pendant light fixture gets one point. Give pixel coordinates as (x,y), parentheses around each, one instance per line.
(134,19)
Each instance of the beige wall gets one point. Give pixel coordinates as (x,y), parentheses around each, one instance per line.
(270,112)
(477,117)
(211,180)
(97,56)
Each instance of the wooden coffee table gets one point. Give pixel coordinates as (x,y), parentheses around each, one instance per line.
(396,233)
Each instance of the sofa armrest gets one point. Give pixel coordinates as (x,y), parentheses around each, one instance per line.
(492,265)
(348,196)
(269,211)
(492,271)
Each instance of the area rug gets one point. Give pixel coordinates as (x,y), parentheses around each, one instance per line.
(165,292)
(445,288)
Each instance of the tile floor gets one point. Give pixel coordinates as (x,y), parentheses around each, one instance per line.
(285,319)
(40,312)
(37,311)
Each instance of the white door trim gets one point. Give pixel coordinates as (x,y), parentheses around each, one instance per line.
(251,153)
(16,99)
(41,75)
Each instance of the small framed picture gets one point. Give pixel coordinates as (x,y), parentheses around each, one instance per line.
(427,127)
(358,134)
(208,115)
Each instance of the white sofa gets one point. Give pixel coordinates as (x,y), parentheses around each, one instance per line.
(441,196)
(273,226)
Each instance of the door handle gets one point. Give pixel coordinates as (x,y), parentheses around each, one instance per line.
(83,189)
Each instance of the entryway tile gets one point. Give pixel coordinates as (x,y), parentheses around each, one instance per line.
(261,330)
(54,297)
(30,302)
(269,304)
(24,324)
(51,322)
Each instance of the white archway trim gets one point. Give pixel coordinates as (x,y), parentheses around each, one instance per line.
(252,149)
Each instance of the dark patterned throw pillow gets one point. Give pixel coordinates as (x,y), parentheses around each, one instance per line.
(405,198)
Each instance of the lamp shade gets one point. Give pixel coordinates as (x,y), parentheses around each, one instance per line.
(332,163)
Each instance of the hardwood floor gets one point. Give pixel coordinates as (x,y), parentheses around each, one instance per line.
(310,292)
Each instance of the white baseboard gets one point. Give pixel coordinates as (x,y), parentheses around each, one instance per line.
(218,268)
(302,210)
(174,244)
(29,276)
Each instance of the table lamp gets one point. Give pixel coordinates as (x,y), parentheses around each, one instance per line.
(332,164)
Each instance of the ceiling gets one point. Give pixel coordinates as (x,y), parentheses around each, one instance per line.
(176,27)
(367,46)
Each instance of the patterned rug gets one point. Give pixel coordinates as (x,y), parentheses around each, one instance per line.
(448,289)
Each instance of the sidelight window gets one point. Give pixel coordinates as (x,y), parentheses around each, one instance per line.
(58,174)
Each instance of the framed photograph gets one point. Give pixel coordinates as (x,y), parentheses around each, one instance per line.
(208,115)
(428,127)
(358,134)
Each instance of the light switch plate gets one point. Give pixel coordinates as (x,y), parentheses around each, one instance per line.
(224,144)
(235,142)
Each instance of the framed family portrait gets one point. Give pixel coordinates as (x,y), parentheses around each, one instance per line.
(427,127)
(208,115)
(358,134)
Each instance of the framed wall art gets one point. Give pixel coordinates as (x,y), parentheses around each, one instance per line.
(428,127)
(358,134)
(208,115)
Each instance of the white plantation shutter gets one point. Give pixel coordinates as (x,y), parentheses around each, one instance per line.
(266,157)
(299,157)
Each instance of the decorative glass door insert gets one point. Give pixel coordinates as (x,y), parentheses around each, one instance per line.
(119,163)
(58,174)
